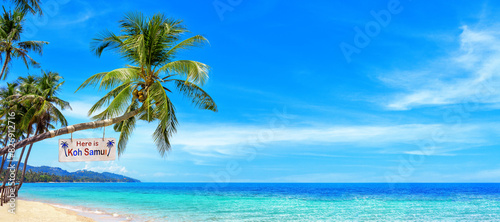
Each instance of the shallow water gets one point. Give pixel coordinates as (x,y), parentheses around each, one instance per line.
(278,201)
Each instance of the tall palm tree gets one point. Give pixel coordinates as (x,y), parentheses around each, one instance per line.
(11,46)
(140,90)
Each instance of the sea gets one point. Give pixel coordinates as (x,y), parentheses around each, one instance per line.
(273,201)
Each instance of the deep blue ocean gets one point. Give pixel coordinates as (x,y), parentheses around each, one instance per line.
(277,201)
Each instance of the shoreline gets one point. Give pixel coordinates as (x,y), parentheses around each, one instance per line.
(27,211)
(30,210)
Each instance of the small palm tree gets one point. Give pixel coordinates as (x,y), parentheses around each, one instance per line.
(11,46)
(140,90)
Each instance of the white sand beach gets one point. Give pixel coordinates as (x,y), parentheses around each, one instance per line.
(30,211)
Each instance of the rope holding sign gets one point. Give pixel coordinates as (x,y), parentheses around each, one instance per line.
(103,133)
(71,137)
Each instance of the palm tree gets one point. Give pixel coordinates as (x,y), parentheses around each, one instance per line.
(37,110)
(11,27)
(23,86)
(5,109)
(140,90)
(43,108)
(10,131)
(149,45)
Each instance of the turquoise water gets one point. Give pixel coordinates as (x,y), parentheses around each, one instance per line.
(277,202)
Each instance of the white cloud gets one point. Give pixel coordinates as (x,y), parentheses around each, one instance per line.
(110,166)
(220,141)
(78,110)
(469,74)
(441,152)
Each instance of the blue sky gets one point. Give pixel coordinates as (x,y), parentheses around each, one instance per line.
(416,101)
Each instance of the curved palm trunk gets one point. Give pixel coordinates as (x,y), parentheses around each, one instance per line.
(24,169)
(19,161)
(21,157)
(3,191)
(70,129)
(24,165)
(5,63)
(4,158)
(3,162)
(4,182)
(10,163)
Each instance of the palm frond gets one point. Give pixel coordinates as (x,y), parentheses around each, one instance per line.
(198,97)
(105,40)
(58,116)
(106,80)
(35,46)
(195,72)
(32,6)
(125,128)
(93,80)
(117,105)
(165,113)
(195,41)
(108,97)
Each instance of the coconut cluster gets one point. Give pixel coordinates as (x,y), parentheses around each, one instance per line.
(149,81)
(141,93)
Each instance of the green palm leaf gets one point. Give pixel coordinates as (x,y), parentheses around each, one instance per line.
(198,97)
(196,72)
(117,106)
(125,128)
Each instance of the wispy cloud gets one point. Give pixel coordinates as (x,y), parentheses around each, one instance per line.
(223,140)
(111,167)
(440,152)
(78,110)
(467,74)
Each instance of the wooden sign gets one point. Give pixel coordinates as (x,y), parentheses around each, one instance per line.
(94,149)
